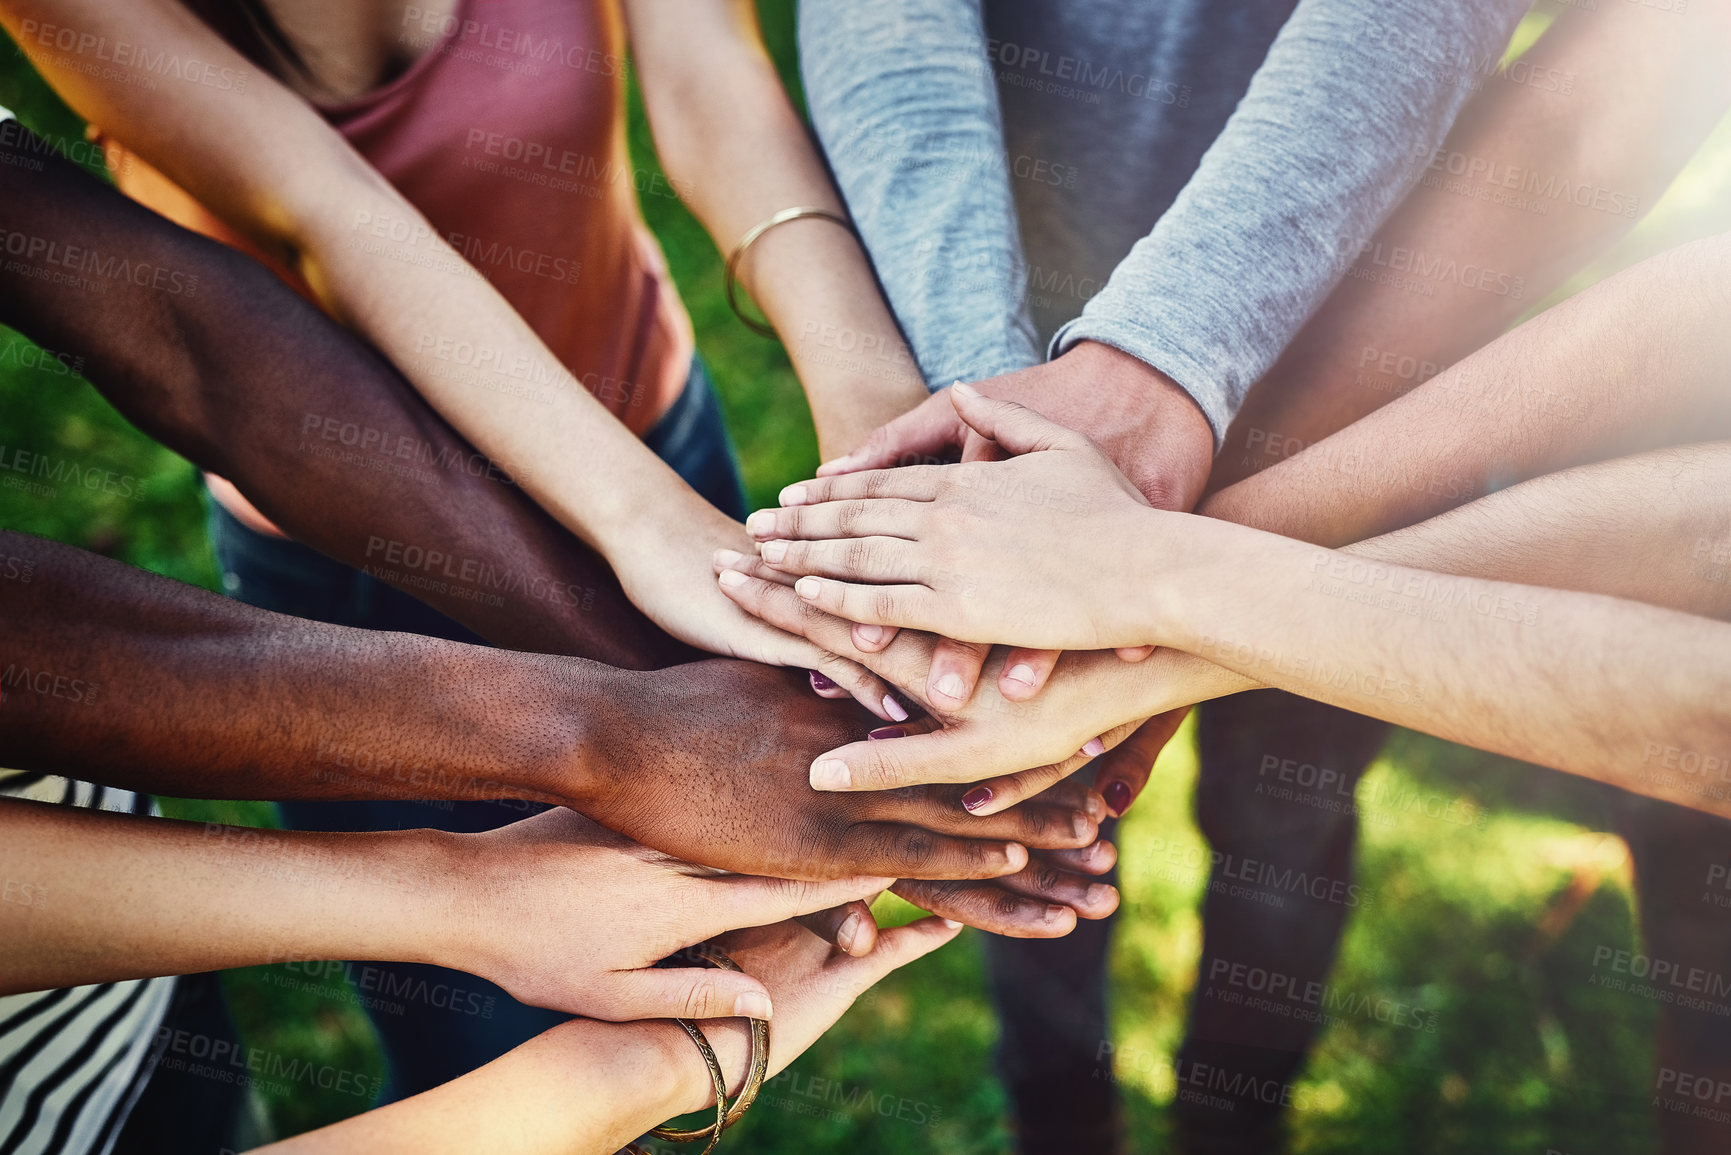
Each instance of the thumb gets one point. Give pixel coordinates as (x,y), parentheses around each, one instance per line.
(924,435)
(682,993)
(1016,428)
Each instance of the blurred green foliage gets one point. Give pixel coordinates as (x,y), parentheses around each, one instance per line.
(1486,927)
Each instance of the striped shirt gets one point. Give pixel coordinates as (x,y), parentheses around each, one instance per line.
(74,1060)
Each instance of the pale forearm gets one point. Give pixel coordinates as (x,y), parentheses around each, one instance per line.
(582,1088)
(1581,682)
(120,897)
(1533,181)
(1634,363)
(738,153)
(1655,528)
(378,266)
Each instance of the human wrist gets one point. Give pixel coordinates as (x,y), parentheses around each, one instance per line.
(1172,447)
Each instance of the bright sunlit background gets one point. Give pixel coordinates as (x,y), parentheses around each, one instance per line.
(1487,925)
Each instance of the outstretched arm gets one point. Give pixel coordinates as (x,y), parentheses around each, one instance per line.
(588,1088)
(260,158)
(983,562)
(239,374)
(1534,181)
(223,896)
(738,153)
(1634,363)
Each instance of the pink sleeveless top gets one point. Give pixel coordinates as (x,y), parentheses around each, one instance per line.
(508,134)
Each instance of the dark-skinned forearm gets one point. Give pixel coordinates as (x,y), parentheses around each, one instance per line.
(138,681)
(220,360)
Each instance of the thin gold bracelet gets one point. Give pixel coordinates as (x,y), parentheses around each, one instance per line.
(758,1068)
(730,274)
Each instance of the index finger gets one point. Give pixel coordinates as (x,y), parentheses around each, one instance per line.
(910,483)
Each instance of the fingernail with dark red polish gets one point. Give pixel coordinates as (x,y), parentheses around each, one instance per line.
(1117,797)
(820,683)
(977,797)
(887,732)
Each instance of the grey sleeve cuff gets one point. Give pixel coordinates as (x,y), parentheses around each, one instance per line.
(906,107)
(1337,121)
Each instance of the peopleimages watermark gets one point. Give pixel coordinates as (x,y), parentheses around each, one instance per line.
(417,566)
(1075,77)
(1517,186)
(561,169)
(65,687)
(41,475)
(1686,1093)
(368,441)
(56,262)
(1661,980)
(1703,774)
(1323,788)
(1415,592)
(833,1099)
(91,54)
(503,47)
(1309,1000)
(1206,1084)
(1252,878)
(230,1062)
(29,355)
(379,988)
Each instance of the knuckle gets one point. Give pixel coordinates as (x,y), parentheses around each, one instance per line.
(857,556)
(915,847)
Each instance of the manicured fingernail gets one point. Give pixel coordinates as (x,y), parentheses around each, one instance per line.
(883,732)
(1117,795)
(820,683)
(951,923)
(731,578)
(830,774)
(976,798)
(952,687)
(793,495)
(761,523)
(1094,748)
(727,557)
(1020,673)
(872,635)
(848,932)
(773,551)
(895,709)
(965,389)
(752,1005)
(807,588)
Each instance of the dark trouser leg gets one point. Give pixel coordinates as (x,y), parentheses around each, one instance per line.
(437,1024)
(1051,1001)
(1280,890)
(1682,860)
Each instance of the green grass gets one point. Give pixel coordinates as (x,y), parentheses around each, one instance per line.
(1526,1052)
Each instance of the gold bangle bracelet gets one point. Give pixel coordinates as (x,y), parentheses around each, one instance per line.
(730,275)
(756,1070)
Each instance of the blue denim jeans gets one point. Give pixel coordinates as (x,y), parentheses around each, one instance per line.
(444,1023)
